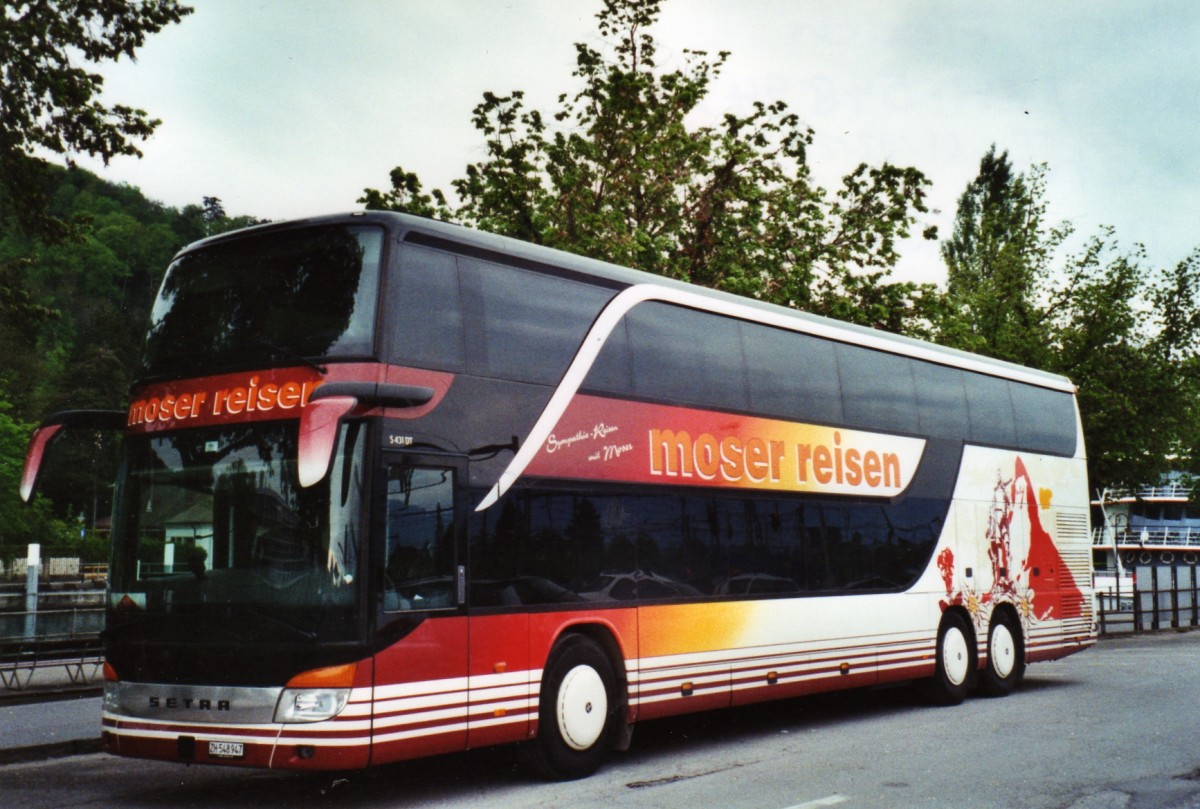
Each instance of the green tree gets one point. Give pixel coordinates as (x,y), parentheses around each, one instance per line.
(49,103)
(623,175)
(998,261)
(1126,333)
(210,219)
(20,525)
(74,337)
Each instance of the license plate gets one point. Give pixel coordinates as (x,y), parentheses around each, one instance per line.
(226,749)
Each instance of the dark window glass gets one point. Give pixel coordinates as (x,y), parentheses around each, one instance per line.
(547,548)
(427,311)
(990,410)
(1045,419)
(530,324)
(542,547)
(612,372)
(688,356)
(792,375)
(273,297)
(878,392)
(214,522)
(679,543)
(419,571)
(941,400)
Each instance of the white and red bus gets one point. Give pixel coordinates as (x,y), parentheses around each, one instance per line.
(392,487)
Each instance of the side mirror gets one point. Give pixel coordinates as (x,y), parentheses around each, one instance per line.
(52,428)
(332,402)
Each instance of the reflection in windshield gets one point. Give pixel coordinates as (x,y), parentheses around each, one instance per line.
(307,292)
(217,517)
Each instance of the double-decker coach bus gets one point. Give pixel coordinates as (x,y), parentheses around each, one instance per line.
(391,487)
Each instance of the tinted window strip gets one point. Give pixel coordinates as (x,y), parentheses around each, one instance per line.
(506,259)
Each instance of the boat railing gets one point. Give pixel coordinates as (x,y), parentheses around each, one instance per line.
(1184,537)
(1175,490)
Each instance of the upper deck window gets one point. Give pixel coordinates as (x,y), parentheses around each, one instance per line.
(268,299)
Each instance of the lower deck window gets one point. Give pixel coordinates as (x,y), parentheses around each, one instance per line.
(544,546)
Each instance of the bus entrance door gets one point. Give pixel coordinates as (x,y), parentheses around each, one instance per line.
(420,677)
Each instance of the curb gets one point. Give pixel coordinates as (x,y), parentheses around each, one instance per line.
(43,752)
(15,697)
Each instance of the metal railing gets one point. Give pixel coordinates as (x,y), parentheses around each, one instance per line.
(72,623)
(1165,491)
(1187,537)
(66,638)
(1149,609)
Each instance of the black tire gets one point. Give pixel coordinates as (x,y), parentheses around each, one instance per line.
(954,674)
(1006,656)
(575,731)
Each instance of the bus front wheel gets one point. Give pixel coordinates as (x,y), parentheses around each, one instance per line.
(577,711)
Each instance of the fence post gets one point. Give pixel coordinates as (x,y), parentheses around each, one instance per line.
(1174,598)
(1154,600)
(33,563)
(1195,607)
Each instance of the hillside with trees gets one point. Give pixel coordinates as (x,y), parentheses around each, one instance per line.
(73,316)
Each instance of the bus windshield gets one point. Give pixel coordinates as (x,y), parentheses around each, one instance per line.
(213,525)
(301,292)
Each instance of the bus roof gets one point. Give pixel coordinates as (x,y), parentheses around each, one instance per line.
(477,240)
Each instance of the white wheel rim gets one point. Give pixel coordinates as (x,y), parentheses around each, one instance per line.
(582,707)
(1003,651)
(956,659)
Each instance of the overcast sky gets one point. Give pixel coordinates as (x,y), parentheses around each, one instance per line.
(287,108)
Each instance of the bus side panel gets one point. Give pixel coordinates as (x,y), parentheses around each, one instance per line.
(503,688)
(685,657)
(421,704)
(1021,540)
(837,647)
(701,656)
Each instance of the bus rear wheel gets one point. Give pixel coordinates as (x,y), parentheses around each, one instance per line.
(955,665)
(577,711)
(1006,657)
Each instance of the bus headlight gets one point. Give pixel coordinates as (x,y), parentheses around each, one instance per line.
(310,704)
(112,700)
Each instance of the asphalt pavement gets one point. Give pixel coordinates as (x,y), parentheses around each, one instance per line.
(50,717)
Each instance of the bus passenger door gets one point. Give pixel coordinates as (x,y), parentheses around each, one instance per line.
(420,704)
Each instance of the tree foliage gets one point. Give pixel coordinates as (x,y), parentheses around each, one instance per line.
(71,329)
(49,103)
(21,525)
(998,261)
(1125,332)
(620,172)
